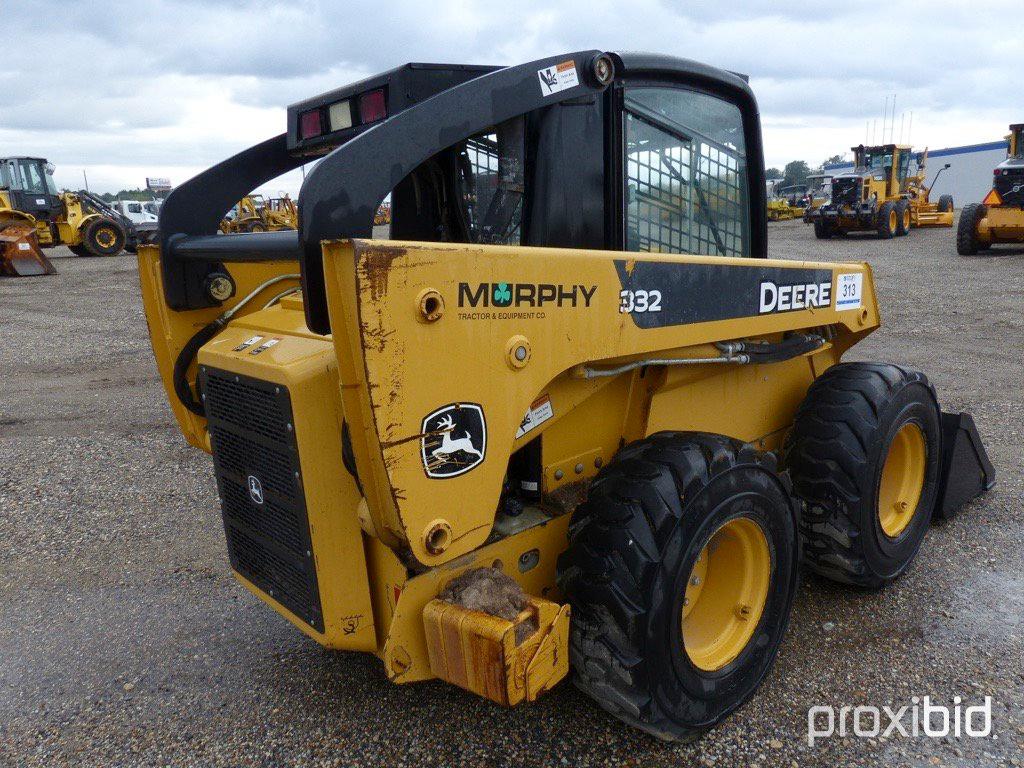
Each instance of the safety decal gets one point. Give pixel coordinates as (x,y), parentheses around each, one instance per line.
(560,77)
(454,440)
(24,247)
(540,411)
(849,287)
(265,346)
(247,343)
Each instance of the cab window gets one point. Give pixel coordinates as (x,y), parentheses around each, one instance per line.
(33,176)
(686,173)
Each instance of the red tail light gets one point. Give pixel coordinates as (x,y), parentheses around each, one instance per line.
(310,124)
(372,106)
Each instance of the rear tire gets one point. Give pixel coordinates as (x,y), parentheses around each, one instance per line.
(864,455)
(903,215)
(635,546)
(79,250)
(945,203)
(967,243)
(887,220)
(103,237)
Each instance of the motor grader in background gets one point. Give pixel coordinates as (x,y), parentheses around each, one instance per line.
(881,195)
(569,415)
(999,218)
(254,213)
(38,216)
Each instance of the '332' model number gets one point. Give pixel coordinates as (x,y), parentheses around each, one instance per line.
(639,301)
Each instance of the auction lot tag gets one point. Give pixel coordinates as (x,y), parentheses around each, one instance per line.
(558,78)
(848,290)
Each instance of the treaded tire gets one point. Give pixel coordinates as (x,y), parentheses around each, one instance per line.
(967,243)
(632,545)
(79,250)
(885,228)
(822,230)
(835,454)
(945,203)
(96,246)
(903,227)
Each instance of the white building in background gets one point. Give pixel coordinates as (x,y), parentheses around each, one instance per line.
(969,176)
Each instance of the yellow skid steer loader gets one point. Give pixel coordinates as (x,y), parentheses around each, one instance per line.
(569,417)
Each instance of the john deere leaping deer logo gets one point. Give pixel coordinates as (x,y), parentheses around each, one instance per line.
(454,440)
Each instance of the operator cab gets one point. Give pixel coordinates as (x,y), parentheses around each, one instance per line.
(646,153)
(29,182)
(880,162)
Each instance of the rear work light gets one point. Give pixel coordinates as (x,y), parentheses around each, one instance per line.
(310,124)
(372,106)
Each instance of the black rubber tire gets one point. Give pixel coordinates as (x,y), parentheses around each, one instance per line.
(945,203)
(967,243)
(92,244)
(885,231)
(79,250)
(835,454)
(632,545)
(902,228)
(822,230)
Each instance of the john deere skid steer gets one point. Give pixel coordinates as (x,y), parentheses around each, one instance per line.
(999,218)
(569,416)
(881,195)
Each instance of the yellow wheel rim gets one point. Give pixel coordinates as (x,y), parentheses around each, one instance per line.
(725,594)
(906,220)
(106,237)
(902,480)
(893,221)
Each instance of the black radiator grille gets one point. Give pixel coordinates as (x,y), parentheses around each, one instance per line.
(1010,187)
(845,191)
(259,479)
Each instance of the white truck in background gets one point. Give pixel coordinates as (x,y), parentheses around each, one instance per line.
(135,211)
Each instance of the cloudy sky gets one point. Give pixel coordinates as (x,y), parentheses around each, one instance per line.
(135,88)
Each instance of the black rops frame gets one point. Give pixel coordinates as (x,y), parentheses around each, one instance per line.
(379,157)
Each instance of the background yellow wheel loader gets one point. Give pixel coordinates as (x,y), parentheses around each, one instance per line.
(79,220)
(999,218)
(569,417)
(881,195)
(254,213)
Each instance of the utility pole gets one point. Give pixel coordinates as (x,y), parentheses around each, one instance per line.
(86,179)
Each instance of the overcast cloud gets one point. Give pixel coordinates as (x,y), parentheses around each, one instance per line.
(139,88)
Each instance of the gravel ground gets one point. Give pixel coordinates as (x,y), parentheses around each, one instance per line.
(125,640)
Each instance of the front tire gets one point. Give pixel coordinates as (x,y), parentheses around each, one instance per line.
(681,570)
(864,455)
(903,215)
(945,203)
(888,220)
(967,242)
(822,231)
(103,237)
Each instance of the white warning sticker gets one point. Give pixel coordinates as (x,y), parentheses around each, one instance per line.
(848,290)
(247,343)
(540,411)
(24,247)
(558,78)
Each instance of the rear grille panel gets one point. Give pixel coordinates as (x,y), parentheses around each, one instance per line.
(1010,187)
(845,191)
(253,439)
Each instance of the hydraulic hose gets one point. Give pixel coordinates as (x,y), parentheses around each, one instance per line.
(182,386)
